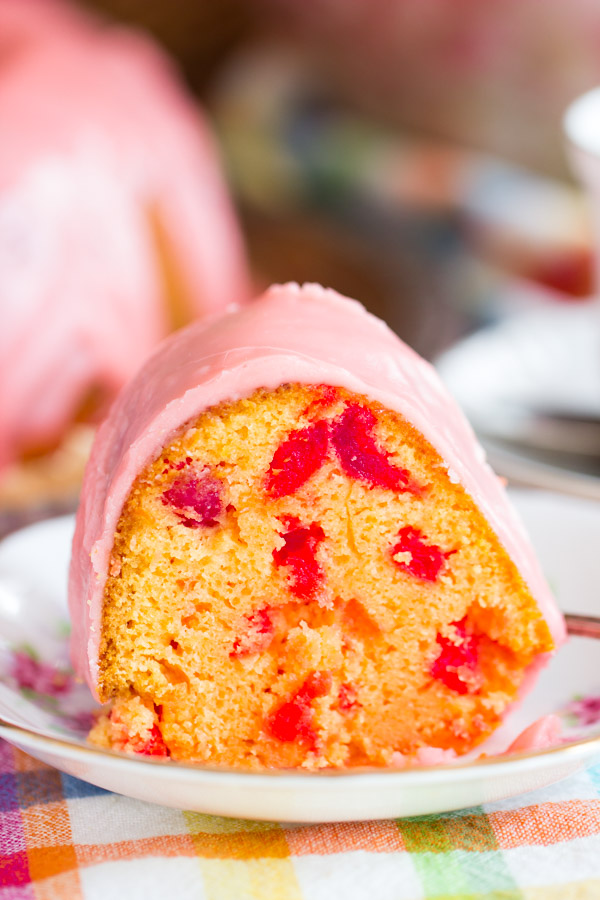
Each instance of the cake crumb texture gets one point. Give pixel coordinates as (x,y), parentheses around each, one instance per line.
(296,581)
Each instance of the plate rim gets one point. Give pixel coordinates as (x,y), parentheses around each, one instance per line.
(484,764)
(505,456)
(460,771)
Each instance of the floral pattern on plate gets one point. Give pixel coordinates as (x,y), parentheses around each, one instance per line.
(39,692)
(38,688)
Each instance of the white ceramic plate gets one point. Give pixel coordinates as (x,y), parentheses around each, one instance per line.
(50,712)
(542,359)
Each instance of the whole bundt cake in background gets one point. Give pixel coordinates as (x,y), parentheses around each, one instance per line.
(290,552)
(115,222)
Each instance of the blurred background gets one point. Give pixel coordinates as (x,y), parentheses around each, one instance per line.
(409,153)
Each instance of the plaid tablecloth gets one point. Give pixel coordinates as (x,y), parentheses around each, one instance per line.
(63,839)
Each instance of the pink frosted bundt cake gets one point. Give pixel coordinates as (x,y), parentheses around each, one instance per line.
(115,223)
(290,552)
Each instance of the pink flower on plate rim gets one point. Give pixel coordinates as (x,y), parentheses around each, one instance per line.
(585,710)
(32,674)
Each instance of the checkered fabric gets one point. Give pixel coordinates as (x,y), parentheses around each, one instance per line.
(63,838)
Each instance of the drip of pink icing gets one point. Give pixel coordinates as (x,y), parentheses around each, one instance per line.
(542,733)
(82,299)
(424,756)
(292,334)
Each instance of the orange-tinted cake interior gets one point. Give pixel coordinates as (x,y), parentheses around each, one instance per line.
(297,581)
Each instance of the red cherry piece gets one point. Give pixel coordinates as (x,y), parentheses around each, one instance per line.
(154,746)
(359,455)
(316,685)
(424,560)
(456,665)
(297,458)
(196,498)
(293,720)
(347,697)
(259,634)
(298,555)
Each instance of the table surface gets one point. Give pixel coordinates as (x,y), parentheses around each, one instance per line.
(64,838)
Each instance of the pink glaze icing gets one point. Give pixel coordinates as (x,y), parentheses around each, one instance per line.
(542,733)
(425,756)
(96,132)
(292,334)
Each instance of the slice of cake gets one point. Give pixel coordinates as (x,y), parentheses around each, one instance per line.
(290,552)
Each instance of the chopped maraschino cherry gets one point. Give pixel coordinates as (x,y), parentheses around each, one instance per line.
(359,455)
(122,739)
(457,664)
(347,697)
(413,555)
(297,458)
(293,720)
(298,555)
(259,634)
(154,746)
(196,497)
(179,465)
